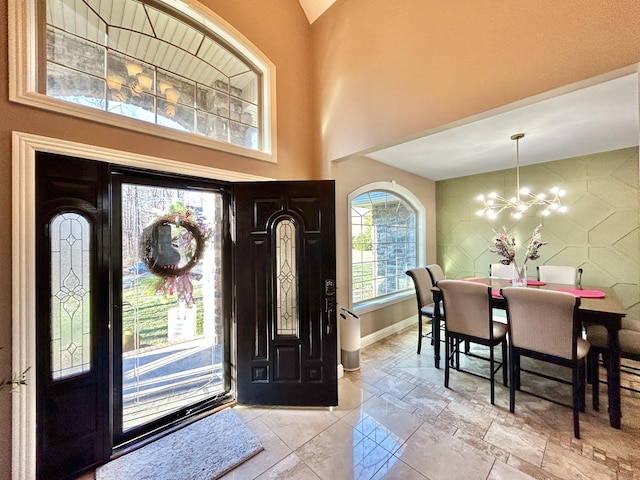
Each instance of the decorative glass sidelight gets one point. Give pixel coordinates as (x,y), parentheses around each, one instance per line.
(286,279)
(70,273)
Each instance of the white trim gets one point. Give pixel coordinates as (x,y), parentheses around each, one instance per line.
(387,331)
(23,82)
(421,213)
(23,278)
(383,302)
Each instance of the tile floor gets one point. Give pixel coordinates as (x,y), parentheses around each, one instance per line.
(395,420)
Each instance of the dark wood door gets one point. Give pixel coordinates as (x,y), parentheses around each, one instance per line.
(72,312)
(285,293)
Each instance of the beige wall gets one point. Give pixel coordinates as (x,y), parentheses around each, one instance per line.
(368,72)
(598,233)
(392,69)
(352,174)
(279,29)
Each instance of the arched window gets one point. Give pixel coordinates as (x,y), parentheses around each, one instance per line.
(155,62)
(386,241)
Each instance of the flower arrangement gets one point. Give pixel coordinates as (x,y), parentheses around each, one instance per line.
(505,246)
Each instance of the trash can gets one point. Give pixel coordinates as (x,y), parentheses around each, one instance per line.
(350,340)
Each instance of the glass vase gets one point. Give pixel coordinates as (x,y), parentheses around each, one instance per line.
(519,277)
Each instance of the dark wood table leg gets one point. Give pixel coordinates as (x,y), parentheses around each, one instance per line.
(613,377)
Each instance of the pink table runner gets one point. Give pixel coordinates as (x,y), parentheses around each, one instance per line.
(583,293)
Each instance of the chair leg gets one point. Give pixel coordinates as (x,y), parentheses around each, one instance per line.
(582,393)
(593,359)
(492,376)
(512,384)
(504,363)
(419,332)
(447,360)
(576,401)
(516,377)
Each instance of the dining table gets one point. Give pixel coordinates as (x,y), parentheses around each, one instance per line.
(598,306)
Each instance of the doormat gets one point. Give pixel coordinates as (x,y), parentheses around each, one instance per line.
(204,450)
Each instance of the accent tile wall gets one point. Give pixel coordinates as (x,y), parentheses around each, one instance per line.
(600,232)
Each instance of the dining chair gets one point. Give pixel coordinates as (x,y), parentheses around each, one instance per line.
(544,325)
(499,270)
(436,273)
(560,274)
(424,295)
(468,309)
(629,341)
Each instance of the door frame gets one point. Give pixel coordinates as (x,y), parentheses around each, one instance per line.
(23,262)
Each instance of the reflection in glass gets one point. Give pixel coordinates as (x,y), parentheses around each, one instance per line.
(156,68)
(383,244)
(70,270)
(172,326)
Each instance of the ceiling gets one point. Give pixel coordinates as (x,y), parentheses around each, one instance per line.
(600,117)
(314,8)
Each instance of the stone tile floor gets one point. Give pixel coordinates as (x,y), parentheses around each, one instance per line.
(395,420)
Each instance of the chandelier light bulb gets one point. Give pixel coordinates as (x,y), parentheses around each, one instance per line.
(562,209)
(524,191)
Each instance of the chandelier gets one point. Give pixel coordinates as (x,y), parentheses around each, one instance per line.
(494,204)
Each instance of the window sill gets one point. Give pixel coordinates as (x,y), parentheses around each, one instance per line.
(379,303)
(41,101)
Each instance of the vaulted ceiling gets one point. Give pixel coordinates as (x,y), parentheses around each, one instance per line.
(596,116)
(314,8)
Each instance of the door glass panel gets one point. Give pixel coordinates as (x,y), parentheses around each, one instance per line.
(172,316)
(70,295)
(286,279)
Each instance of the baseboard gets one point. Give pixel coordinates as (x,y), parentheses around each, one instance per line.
(385,332)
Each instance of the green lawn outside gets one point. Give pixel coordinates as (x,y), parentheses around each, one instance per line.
(153,308)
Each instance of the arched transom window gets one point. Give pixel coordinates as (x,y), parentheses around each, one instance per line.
(156,62)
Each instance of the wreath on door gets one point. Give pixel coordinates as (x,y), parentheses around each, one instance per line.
(162,248)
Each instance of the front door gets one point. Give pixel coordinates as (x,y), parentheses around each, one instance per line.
(95,297)
(285,293)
